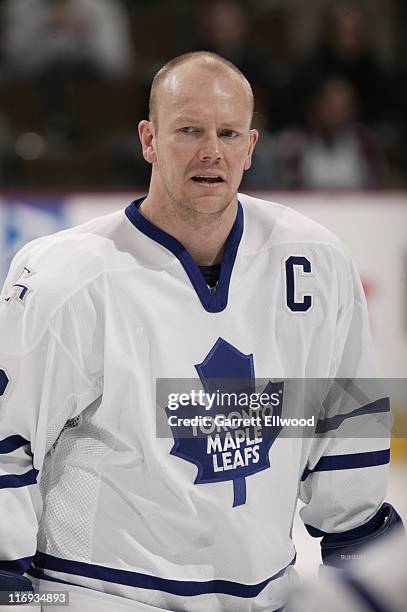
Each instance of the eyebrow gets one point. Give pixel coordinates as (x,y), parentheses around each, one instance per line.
(186,119)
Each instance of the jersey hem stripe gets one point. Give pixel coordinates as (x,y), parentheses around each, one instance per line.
(12,443)
(16,566)
(185,588)
(14,481)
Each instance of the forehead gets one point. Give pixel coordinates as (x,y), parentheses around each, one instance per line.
(199,89)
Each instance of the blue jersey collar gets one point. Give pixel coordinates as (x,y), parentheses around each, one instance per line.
(214,300)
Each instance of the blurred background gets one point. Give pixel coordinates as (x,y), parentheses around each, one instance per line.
(330,84)
(330,81)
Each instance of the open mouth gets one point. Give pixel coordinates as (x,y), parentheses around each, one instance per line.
(207,179)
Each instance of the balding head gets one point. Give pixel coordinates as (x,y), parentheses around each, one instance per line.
(200,122)
(196,61)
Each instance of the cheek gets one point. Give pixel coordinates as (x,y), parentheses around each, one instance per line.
(239,160)
(174,157)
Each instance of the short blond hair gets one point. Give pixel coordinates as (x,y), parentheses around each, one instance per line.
(206,59)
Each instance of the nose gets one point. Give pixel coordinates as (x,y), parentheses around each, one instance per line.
(210,150)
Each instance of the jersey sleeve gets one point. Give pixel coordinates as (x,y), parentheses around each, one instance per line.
(48,374)
(345,479)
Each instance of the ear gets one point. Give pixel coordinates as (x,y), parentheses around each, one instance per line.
(146,134)
(254,135)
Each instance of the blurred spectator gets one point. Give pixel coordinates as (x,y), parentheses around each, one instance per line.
(334,151)
(265,171)
(58,43)
(45,37)
(10,169)
(224,29)
(345,49)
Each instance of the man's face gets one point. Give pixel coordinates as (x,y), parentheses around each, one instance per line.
(200,142)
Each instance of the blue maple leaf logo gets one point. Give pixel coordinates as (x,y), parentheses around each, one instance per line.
(227,453)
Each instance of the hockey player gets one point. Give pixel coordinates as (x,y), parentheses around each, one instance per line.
(192,281)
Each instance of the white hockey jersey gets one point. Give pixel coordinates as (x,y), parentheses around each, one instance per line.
(90,318)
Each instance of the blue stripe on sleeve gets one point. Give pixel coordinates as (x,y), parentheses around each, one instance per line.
(185,588)
(12,443)
(13,481)
(332,423)
(349,462)
(16,566)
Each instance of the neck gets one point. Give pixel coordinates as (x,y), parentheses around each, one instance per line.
(203,235)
